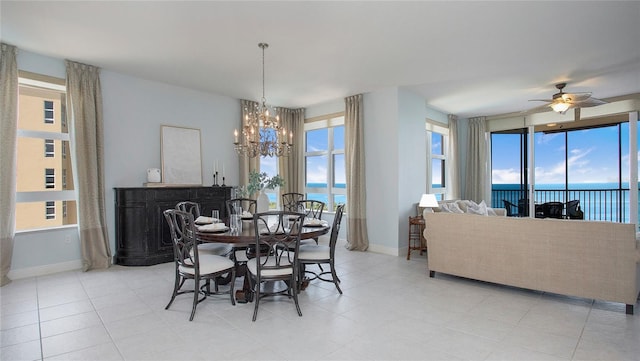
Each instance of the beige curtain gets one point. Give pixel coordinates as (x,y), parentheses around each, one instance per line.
(358,238)
(8,155)
(246,164)
(453,178)
(477,160)
(84,106)
(291,168)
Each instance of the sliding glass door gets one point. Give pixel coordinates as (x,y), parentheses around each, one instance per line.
(580,166)
(509,173)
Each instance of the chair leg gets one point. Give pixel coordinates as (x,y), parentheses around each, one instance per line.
(196,293)
(295,297)
(256,293)
(231,289)
(176,286)
(336,280)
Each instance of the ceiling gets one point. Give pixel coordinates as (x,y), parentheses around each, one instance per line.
(466,58)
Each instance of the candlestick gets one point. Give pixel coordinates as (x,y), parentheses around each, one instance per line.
(224,185)
(235,135)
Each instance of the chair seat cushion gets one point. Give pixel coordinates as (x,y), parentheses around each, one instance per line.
(209,264)
(220,249)
(313,252)
(252,267)
(241,255)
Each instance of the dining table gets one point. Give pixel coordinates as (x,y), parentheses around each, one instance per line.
(245,237)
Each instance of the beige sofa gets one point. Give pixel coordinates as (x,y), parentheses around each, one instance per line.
(590,259)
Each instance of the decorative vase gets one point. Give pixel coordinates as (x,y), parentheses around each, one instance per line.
(153,175)
(263,202)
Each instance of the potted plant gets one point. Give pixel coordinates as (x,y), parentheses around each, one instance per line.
(258,182)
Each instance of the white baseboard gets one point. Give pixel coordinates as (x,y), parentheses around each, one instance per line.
(383,250)
(15,274)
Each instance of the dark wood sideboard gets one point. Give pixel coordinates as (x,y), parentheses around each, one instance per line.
(142,234)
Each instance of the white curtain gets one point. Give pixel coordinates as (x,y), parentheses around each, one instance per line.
(453,183)
(358,238)
(84,106)
(477,160)
(8,155)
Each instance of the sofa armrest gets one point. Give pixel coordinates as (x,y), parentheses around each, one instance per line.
(501,212)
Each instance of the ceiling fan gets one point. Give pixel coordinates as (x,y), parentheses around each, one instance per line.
(561,101)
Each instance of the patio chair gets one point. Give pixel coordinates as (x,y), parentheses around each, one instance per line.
(573,210)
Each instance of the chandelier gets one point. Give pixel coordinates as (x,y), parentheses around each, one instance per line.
(262,133)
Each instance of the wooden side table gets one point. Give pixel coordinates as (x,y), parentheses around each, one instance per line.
(416,237)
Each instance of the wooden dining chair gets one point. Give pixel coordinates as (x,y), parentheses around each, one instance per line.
(239,205)
(310,254)
(193,208)
(290,201)
(312,209)
(278,233)
(190,264)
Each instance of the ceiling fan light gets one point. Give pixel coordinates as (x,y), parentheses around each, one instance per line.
(560,107)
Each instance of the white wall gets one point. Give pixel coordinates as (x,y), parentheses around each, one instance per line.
(412,162)
(381,168)
(134,110)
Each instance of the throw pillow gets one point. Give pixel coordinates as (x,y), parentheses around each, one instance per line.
(453,208)
(480,209)
(444,208)
(463,205)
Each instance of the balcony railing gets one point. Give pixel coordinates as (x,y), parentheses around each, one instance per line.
(596,204)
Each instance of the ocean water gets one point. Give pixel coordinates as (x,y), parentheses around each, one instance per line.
(598,201)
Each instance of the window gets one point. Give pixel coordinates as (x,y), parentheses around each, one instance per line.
(50,210)
(50,178)
(269,165)
(325,176)
(48,112)
(35,93)
(575,162)
(437,138)
(48,148)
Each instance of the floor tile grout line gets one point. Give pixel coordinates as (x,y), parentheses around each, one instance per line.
(575,349)
(39,323)
(102,320)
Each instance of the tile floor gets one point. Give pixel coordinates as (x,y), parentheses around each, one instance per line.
(390,310)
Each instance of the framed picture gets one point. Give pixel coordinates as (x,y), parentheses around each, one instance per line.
(181,155)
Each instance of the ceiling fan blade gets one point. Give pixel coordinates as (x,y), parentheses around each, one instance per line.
(575,97)
(590,102)
(541,100)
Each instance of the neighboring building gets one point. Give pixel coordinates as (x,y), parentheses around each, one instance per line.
(44,162)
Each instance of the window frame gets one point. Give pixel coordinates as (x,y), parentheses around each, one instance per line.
(44,195)
(432,126)
(329,122)
(49,148)
(47,119)
(49,205)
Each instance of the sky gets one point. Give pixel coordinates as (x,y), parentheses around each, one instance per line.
(592,156)
(317,172)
